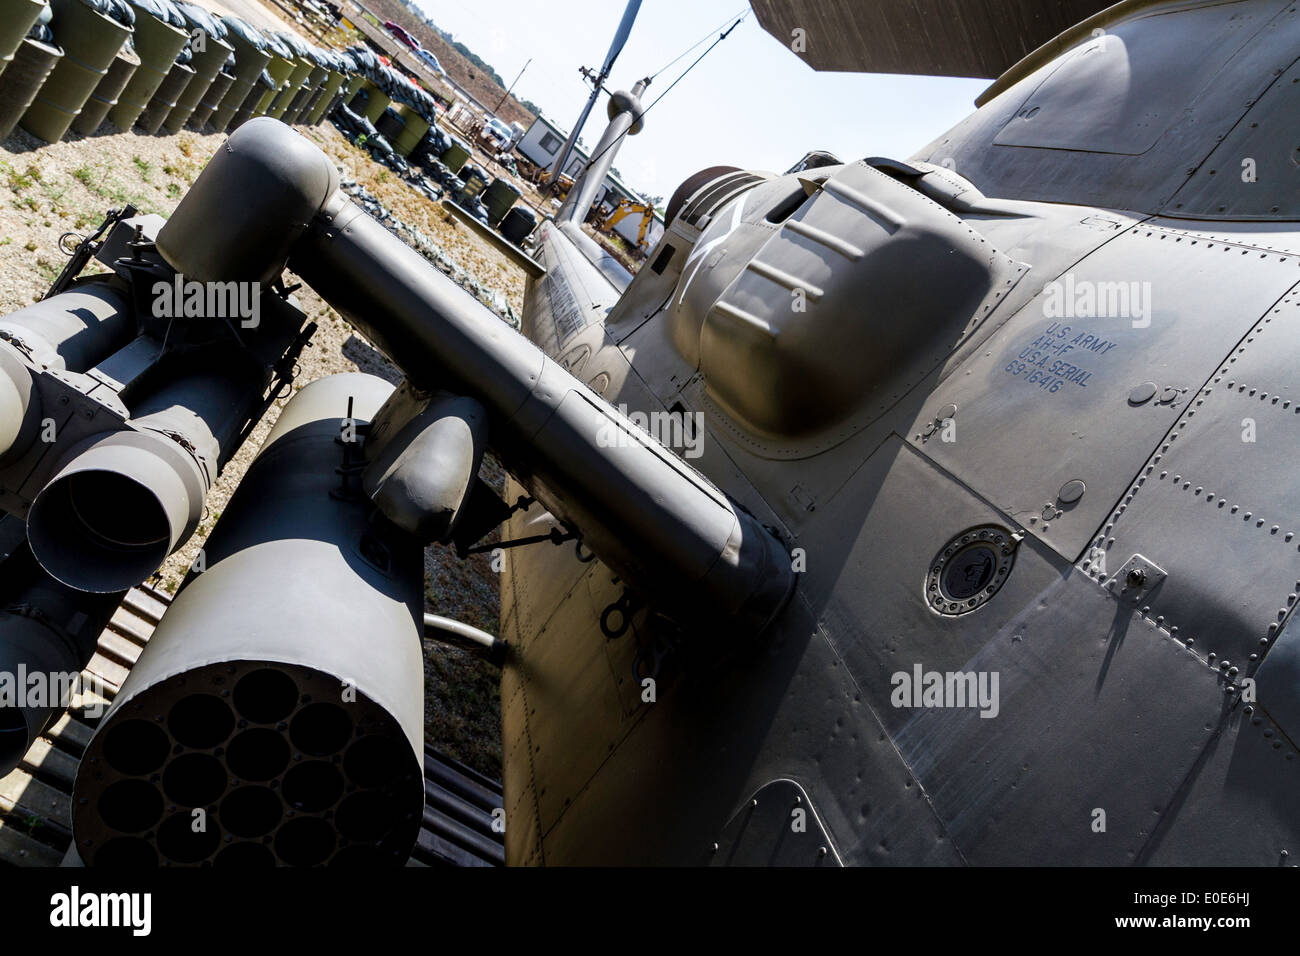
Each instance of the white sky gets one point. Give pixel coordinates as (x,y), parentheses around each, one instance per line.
(751,103)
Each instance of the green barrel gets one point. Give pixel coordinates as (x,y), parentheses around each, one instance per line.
(315,112)
(280,69)
(457,155)
(90,41)
(157,43)
(390,124)
(517,224)
(203,112)
(498,198)
(297,101)
(207,67)
(297,76)
(311,87)
(163,101)
(348,90)
(376,102)
(255,96)
(312,90)
(412,132)
(30,64)
(317,92)
(106,93)
(249,64)
(16,18)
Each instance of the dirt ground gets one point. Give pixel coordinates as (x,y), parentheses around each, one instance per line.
(49,190)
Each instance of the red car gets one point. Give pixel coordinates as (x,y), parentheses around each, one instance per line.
(401,35)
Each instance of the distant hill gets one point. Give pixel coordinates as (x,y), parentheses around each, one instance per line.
(464,66)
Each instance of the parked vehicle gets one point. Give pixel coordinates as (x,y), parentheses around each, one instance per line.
(497,134)
(402,36)
(430,61)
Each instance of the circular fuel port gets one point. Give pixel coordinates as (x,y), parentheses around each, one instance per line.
(970,569)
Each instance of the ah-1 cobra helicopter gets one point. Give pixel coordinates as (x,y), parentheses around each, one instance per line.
(1021,407)
(981,542)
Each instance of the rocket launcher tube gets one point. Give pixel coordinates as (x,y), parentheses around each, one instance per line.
(46,629)
(289,670)
(71,331)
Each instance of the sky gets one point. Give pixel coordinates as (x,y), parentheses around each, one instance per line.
(750,103)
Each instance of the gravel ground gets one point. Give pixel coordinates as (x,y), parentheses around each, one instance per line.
(68,186)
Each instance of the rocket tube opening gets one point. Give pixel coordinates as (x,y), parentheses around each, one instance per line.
(312,786)
(136,747)
(265,696)
(131,806)
(181,843)
(117,506)
(305,841)
(364,815)
(194,780)
(320,729)
(358,855)
(373,761)
(99,530)
(200,721)
(250,811)
(257,754)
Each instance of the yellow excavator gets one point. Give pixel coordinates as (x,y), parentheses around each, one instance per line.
(625,208)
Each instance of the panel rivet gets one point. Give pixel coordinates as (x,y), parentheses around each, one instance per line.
(1142,393)
(1071,491)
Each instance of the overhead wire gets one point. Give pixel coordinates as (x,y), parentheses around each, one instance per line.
(722,36)
(696,44)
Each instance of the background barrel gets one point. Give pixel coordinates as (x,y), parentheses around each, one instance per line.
(164,99)
(16,18)
(216,92)
(456,156)
(207,67)
(28,69)
(498,198)
(249,64)
(414,126)
(89,41)
(280,70)
(157,44)
(518,223)
(110,87)
(316,111)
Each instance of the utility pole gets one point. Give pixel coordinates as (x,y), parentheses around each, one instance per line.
(512,85)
